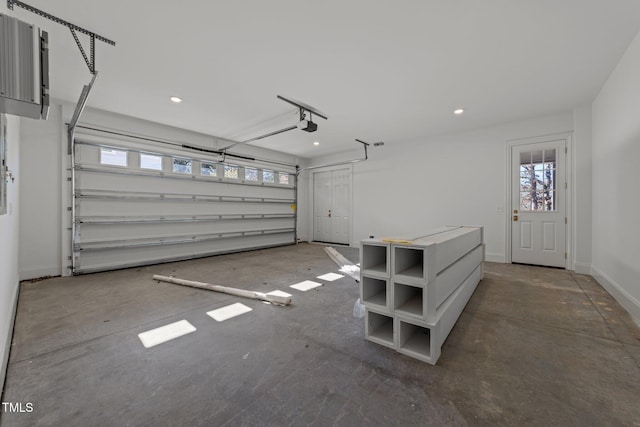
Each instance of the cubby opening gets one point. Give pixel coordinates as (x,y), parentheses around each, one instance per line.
(415,339)
(374,291)
(408,299)
(380,327)
(374,258)
(409,262)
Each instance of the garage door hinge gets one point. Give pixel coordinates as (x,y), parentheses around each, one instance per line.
(565,219)
(68,208)
(68,178)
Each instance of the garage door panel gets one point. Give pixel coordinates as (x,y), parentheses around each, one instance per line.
(126,216)
(101,232)
(97,207)
(87,154)
(99,260)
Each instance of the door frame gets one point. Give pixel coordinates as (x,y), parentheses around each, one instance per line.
(312,200)
(569,200)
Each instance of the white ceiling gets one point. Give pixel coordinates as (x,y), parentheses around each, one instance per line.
(381,70)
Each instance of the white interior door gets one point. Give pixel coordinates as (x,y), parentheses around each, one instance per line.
(322,206)
(340,198)
(332,213)
(538,221)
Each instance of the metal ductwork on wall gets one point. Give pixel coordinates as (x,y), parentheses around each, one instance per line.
(24,69)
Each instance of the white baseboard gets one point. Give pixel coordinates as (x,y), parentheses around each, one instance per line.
(493,257)
(36,273)
(582,268)
(4,362)
(629,303)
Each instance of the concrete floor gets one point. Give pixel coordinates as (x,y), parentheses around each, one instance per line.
(534,346)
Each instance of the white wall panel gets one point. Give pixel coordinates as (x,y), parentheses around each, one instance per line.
(9,226)
(615,204)
(41,186)
(581,225)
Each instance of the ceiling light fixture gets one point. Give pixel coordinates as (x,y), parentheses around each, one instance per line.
(458,111)
(176,99)
(316,143)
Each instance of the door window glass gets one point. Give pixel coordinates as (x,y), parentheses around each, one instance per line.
(538,180)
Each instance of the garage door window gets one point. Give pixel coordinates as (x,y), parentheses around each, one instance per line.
(283,178)
(109,156)
(182,165)
(149,161)
(251,174)
(231,171)
(208,169)
(268,176)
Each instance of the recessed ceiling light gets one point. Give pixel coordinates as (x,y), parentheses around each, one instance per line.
(316,143)
(176,99)
(458,111)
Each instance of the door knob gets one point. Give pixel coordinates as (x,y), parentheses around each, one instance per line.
(515,217)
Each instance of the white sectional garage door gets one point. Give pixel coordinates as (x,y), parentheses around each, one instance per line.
(140,202)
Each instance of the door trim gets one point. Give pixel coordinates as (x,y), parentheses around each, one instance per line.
(569,198)
(312,195)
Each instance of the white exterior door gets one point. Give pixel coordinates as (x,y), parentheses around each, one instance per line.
(331,207)
(538,216)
